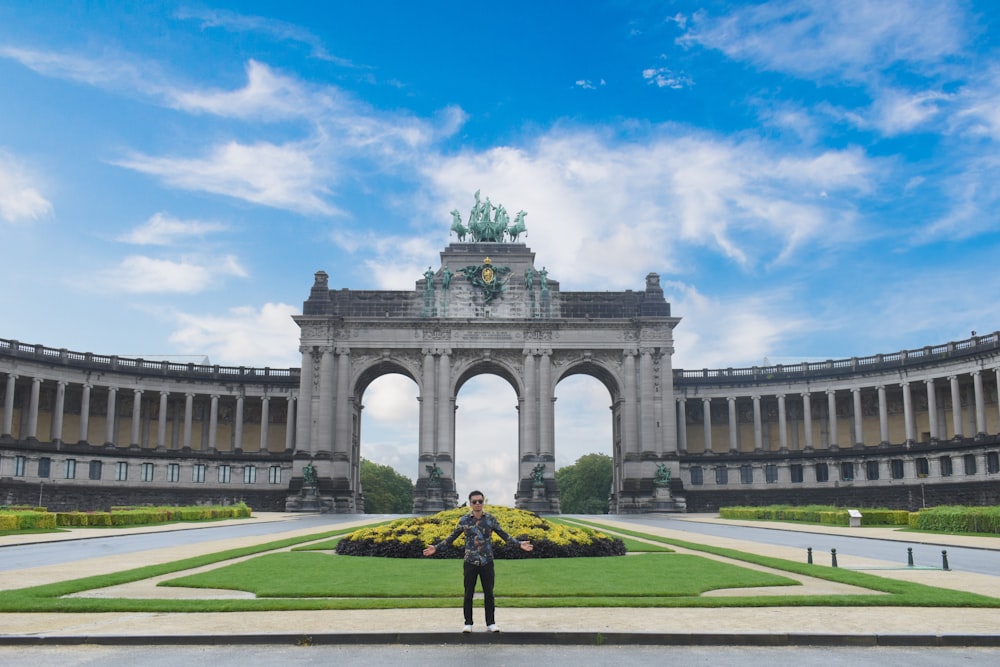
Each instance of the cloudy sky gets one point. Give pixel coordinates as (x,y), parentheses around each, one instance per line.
(811,179)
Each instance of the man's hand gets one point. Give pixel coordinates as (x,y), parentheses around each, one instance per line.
(430,551)
(525,546)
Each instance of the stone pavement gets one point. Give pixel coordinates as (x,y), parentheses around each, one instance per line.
(769,626)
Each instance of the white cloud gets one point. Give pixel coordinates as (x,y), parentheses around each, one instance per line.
(139,274)
(664,77)
(267,94)
(161,229)
(20,198)
(107,72)
(244,336)
(281,176)
(587,193)
(851,39)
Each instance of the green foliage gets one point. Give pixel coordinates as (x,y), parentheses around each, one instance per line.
(585,486)
(406,538)
(121,516)
(386,491)
(958,519)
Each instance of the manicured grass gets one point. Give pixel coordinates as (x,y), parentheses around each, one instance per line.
(318,575)
(647,580)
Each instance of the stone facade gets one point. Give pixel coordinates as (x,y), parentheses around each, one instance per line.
(906,429)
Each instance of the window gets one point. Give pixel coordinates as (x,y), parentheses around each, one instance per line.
(771,473)
(697,476)
(746,474)
(225,473)
(19,464)
(96,468)
(721,475)
(147,472)
(44,467)
(871,469)
(946,466)
(822,472)
(992,462)
(198,473)
(249,475)
(847,471)
(274,475)
(173,472)
(923,467)
(70,468)
(896,468)
(970,464)
(795,470)
(121,471)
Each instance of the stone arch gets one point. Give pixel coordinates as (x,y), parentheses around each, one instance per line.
(607,371)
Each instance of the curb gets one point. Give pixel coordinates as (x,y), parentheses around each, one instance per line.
(514,638)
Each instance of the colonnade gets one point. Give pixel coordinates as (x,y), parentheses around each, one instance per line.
(810,416)
(149,419)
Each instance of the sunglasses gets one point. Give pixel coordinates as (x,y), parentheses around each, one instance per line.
(477,502)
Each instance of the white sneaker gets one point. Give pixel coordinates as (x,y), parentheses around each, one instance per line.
(493,628)
(466,628)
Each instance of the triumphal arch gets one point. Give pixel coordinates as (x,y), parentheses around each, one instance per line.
(488,307)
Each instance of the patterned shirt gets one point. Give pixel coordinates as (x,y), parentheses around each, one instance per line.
(478,537)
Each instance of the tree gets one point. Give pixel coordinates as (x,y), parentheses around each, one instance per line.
(585,486)
(386,491)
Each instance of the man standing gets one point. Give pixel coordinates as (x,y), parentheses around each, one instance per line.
(478,528)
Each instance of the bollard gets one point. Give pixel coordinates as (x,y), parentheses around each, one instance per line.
(833,556)
(944,560)
(809,558)
(909,556)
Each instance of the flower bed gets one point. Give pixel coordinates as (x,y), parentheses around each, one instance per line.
(406,538)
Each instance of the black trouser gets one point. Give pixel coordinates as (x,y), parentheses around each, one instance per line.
(486,576)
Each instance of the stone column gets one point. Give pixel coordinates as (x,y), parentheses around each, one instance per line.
(883,416)
(161,423)
(290,424)
(57,412)
(932,416)
(546,422)
(427,444)
(85,414)
(265,418)
(682,431)
(36,388)
(630,425)
(733,426)
(706,420)
(445,402)
(807,420)
(213,423)
(188,418)
(307,385)
(831,407)
(109,423)
(782,424)
(327,405)
(859,426)
(8,406)
(956,406)
(977,383)
(647,401)
(136,416)
(758,426)
(238,422)
(529,412)
(908,414)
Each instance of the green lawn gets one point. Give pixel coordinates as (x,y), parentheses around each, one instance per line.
(313,580)
(320,575)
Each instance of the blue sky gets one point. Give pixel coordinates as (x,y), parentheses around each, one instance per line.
(810,179)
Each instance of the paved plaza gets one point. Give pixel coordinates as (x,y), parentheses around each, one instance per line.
(844,626)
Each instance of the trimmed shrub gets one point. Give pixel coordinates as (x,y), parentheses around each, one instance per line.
(958,519)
